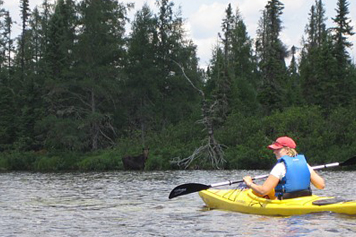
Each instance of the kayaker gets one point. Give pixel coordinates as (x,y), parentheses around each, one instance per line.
(290,177)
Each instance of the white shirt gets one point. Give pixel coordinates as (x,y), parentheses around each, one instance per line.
(279,170)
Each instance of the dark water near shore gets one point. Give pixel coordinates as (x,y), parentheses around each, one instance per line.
(137,204)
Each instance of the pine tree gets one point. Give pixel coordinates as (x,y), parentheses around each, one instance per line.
(232,74)
(324,61)
(326,93)
(59,39)
(7,105)
(35,41)
(8,45)
(28,100)
(141,85)
(223,90)
(99,56)
(216,85)
(244,68)
(7,118)
(315,31)
(2,40)
(177,99)
(294,85)
(342,30)
(271,53)
(25,14)
(45,21)
(60,126)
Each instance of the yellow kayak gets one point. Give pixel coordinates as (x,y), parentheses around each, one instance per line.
(246,202)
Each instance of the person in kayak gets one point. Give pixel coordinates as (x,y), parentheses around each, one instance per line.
(290,177)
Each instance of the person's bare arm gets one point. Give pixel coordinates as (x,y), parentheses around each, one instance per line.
(265,188)
(317,180)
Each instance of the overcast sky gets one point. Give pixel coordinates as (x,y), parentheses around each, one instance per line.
(203,19)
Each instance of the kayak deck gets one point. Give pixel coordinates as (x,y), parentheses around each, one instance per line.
(246,202)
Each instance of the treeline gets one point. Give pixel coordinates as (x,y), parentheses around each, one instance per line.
(79,92)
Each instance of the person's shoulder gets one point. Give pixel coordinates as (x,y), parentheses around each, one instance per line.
(279,166)
(279,170)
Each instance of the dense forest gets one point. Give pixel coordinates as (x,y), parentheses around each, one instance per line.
(79,92)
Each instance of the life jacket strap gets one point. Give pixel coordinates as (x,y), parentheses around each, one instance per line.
(301,193)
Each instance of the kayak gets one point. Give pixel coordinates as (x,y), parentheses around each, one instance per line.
(246,201)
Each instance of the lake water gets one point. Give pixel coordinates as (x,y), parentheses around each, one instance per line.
(137,204)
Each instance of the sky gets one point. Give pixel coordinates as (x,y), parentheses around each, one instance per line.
(203,19)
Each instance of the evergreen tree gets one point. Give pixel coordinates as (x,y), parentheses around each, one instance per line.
(45,21)
(223,92)
(322,60)
(244,68)
(294,85)
(61,37)
(176,97)
(7,118)
(316,37)
(326,92)
(8,45)
(99,56)
(216,85)
(141,85)
(59,126)
(342,30)
(25,14)
(7,106)
(320,26)
(27,89)
(2,40)
(316,28)
(271,53)
(232,74)
(35,41)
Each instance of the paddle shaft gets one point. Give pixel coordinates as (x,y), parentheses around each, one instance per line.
(350,161)
(318,167)
(235,182)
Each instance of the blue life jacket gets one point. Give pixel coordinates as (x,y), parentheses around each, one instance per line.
(297,176)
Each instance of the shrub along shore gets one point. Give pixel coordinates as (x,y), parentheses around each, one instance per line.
(244,138)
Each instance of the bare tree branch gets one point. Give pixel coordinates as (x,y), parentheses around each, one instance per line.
(211,150)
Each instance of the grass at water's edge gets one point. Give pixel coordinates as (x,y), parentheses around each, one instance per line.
(60,161)
(103,160)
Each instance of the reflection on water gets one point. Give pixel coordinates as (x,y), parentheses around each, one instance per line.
(137,204)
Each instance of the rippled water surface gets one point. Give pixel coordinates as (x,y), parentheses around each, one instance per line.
(137,204)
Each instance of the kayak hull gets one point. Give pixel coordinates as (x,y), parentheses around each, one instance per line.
(246,202)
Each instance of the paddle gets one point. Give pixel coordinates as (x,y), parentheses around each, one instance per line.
(196,187)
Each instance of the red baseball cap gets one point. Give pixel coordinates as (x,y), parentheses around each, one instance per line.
(282,142)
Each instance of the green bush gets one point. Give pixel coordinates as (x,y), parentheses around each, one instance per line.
(15,160)
(45,163)
(304,124)
(57,161)
(100,161)
(246,143)
(3,164)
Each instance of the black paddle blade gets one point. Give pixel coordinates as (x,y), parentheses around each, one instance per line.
(186,189)
(351,161)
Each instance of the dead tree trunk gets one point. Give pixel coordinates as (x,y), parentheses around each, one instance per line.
(210,150)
